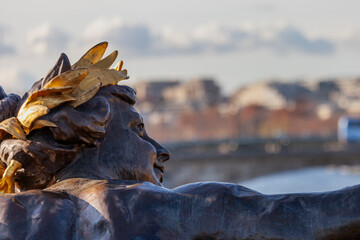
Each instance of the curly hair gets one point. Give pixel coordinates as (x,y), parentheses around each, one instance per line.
(48,150)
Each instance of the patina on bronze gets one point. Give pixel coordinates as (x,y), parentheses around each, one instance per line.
(90,171)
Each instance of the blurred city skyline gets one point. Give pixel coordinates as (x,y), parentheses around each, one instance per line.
(235,42)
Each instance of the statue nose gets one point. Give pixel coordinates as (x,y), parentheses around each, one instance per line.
(163,154)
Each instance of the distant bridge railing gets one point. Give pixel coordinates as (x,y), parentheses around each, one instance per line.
(237,160)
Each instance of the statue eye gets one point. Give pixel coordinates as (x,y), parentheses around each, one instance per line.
(140,129)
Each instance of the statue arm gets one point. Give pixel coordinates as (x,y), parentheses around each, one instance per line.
(330,215)
(232,211)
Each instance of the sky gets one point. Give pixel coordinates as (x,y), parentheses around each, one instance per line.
(235,42)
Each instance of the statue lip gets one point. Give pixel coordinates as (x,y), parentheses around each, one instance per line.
(159,167)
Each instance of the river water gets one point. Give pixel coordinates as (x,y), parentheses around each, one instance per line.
(314,179)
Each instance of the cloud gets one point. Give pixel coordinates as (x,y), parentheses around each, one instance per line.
(130,38)
(347,39)
(14,80)
(5,49)
(292,39)
(46,39)
(141,39)
(220,39)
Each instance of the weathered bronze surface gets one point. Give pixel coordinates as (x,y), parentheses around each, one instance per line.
(97,175)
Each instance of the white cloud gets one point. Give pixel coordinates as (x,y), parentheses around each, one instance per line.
(46,39)
(4,47)
(213,33)
(141,39)
(15,81)
(101,28)
(347,39)
(291,39)
(172,37)
(131,38)
(221,39)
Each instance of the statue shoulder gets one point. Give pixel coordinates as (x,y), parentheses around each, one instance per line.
(36,214)
(216,188)
(141,189)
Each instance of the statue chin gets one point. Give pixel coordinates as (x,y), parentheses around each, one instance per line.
(78,152)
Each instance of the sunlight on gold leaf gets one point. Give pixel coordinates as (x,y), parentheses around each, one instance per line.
(106,62)
(92,56)
(29,114)
(50,101)
(124,72)
(84,93)
(41,123)
(69,78)
(13,127)
(107,77)
(2,168)
(119,66)
(48,91)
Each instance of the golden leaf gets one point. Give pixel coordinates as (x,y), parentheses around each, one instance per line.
(68,78)
(92,56)
(40,124)
(28,115)
(13,127)
(95,76)
(125,73)
(106,77)
(47,91)
(119,66)
(7,183)
(50,101)
(106,62)
(84,93)
(2,168)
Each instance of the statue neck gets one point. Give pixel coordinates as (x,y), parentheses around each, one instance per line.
(87,166)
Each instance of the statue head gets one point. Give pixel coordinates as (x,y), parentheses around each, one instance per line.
(95,135)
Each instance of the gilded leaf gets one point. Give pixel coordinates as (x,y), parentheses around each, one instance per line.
(106,77)
(92,56)
(48,91)
(69,78)
(40,124)
(13,127)
(107,62)
(119,66)
(125,73)
(29,114)
(2,168)
(84,93)
(50,101)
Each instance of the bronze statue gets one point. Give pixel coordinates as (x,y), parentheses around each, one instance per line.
(83,167)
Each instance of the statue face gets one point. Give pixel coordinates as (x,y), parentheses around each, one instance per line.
(127,152)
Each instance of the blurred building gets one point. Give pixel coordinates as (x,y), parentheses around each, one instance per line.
(168,95)
(193,94)
(272,95)
(151,92)
(196,110)
(348,96)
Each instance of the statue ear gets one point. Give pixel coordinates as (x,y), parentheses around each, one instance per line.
(62,65)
